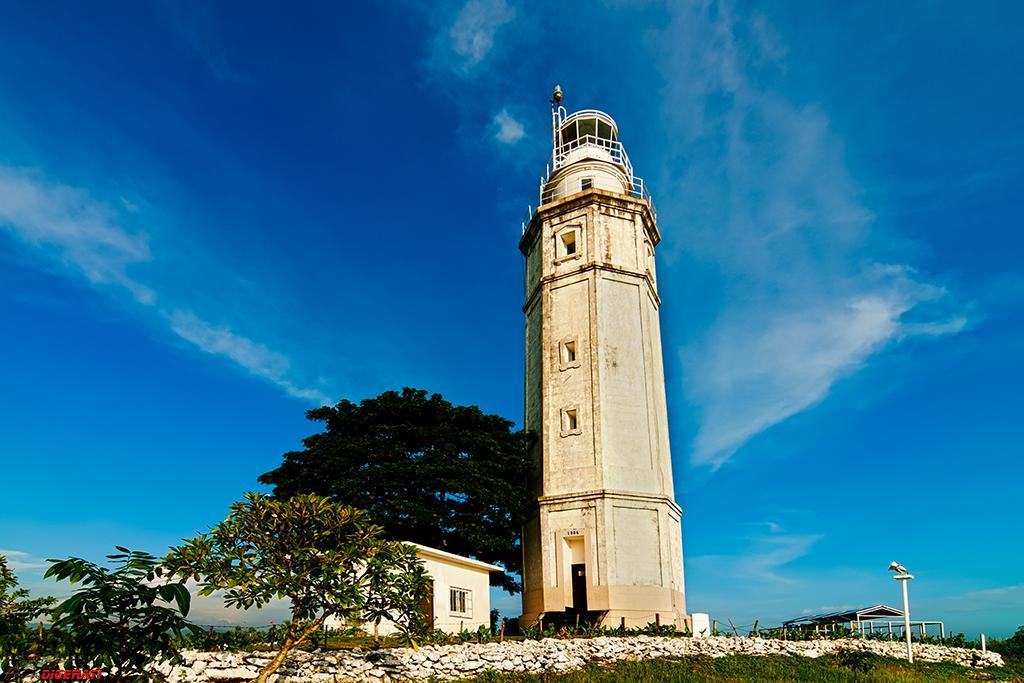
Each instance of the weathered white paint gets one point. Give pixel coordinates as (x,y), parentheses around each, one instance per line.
(448,571)
(700,623)
(602,468)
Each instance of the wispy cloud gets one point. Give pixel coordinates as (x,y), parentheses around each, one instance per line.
(21,561)
(507,129)
(253,356)
(72,229)
(758,367)
(470,37)
(807,291)
(195,24)
(82,235)
(764,559)
(210,610)
(1003,598)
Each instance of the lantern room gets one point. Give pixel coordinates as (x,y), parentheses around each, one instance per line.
(587,154)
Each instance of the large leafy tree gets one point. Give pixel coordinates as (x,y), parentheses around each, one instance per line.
(124,617)
(446,476)
(326,558)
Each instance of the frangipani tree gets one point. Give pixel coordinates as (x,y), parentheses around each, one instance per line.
(397,585)
(320,555)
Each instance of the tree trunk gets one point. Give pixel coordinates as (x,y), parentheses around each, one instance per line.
(290,643)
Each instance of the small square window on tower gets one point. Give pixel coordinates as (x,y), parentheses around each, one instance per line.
(570,422)
(568,355)
(586,183)
(569,242)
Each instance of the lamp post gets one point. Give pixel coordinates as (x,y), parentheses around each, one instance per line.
(903,575)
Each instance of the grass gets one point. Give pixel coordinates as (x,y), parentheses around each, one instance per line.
(769,669)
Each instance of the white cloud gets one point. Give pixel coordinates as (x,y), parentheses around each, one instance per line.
(210,610)
(800,267)
(758,367)
(84,235)
(764,560)
(67,224)
(471,35)
(18,560)
(1004,598)
(253,356)
(508,130)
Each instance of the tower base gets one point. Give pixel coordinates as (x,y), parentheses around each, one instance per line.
(608,558)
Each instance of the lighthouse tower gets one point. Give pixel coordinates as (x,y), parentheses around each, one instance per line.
(603,540)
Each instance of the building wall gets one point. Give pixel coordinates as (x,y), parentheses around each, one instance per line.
(446,574)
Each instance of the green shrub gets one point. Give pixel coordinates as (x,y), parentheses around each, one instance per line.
(115,620)
(1012,647)
(857,661)
(17,639)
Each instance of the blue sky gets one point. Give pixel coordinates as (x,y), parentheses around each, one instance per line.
(214,216)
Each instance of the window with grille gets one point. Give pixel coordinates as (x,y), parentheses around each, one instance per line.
(460,602)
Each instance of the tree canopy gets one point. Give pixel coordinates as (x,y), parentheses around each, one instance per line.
(447,476)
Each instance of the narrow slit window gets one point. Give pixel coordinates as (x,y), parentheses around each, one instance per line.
(586,183)
(569,352)
(569,242)
(570,423)
(568,357)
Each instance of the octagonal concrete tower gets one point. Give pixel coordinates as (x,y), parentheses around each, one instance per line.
(603,540)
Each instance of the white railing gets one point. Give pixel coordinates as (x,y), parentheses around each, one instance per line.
(548,194)
(614,149)
(561,153)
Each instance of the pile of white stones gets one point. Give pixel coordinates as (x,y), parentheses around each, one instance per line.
(453,662)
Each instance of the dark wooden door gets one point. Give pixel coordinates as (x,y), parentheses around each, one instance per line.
(579,588)
(428,604)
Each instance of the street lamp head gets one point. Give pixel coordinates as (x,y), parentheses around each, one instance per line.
(897,567)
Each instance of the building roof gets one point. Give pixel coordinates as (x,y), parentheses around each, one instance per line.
(445,556)
(863,614)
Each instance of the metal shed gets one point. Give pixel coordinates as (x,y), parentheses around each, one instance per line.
(863,621)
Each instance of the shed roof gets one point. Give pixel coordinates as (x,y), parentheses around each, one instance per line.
(452,558)
(863,614)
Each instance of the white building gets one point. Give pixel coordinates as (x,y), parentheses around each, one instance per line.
(460,590)
(459,597)
(603,541)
